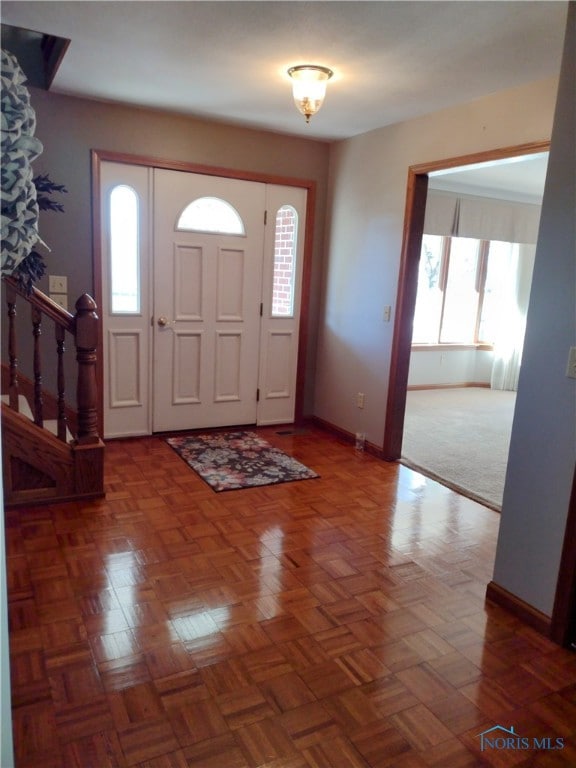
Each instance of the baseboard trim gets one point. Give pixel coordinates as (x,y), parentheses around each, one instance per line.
(345,436)
(458,385)
(519,608)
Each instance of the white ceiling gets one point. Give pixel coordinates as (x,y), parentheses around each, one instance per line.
(515,178)
(227,60)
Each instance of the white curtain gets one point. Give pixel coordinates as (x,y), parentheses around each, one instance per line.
(512,302)
(459,215)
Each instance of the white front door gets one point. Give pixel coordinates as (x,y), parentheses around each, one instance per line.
(201,299)
(208,252)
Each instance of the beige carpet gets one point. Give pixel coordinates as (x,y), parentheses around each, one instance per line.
(460,437)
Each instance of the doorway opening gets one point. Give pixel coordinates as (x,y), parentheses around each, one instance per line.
(426,367)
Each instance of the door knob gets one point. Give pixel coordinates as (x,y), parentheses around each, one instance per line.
(162,321)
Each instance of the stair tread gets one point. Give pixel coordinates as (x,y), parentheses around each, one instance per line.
(24,409)
(23,406)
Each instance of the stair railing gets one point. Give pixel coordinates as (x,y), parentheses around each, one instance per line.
(83,327)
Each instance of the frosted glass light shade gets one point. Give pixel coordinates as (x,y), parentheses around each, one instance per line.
(309,87)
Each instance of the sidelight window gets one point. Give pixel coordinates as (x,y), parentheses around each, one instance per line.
(285,243)
(124,251)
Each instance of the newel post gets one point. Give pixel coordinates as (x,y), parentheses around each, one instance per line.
(87,393)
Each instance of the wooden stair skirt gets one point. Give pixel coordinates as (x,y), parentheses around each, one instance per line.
(37,467)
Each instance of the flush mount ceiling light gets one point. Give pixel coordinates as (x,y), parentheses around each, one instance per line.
(309,87)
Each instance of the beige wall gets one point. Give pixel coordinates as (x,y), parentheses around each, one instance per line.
(69,128)
(366,199)
(433,367)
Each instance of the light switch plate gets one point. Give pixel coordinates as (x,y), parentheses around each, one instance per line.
(57,284)
(61,299)
(571,367)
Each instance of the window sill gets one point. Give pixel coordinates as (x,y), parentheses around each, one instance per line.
(447,347)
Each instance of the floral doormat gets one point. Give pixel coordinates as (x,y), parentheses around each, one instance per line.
(232,460)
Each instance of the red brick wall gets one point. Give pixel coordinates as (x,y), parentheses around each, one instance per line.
(284,261)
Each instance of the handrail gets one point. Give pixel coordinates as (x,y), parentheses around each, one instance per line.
(45,304)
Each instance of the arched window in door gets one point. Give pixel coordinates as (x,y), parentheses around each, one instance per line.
(286,239)
(211,215)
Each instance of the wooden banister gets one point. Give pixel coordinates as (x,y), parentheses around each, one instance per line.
(83,326)
(39,466)
(12,356)
(45,304)
(61,384)
(87,392)
(37,333)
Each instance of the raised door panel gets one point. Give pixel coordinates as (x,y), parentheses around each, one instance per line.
(228,374)
(188,282)
(231,300)
(187,365)
(125,368)
(279,369)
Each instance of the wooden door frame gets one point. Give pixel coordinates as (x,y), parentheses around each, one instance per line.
(562,625)
(98,156)
(416,193)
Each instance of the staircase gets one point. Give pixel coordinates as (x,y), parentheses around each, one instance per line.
(50,452)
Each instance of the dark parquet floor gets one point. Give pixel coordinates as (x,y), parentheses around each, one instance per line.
(329,623)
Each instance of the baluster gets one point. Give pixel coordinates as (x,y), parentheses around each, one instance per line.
(12,355)
(37,332)
(87,393)
(61,383)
